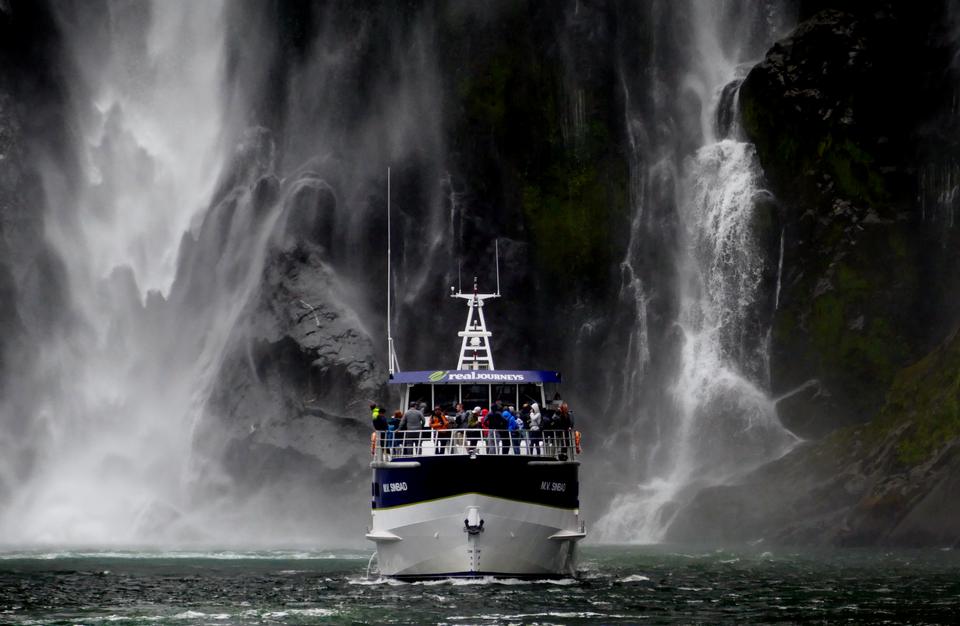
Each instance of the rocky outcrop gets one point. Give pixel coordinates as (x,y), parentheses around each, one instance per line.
(299,364)
(890,482)
(840,118)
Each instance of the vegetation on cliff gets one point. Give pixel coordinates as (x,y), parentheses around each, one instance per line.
(548,162)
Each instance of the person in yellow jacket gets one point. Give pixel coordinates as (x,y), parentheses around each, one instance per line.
(378,416)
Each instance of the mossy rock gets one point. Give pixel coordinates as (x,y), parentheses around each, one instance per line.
(851,310)
(924,402)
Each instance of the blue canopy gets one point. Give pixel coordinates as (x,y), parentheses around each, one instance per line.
(481,377)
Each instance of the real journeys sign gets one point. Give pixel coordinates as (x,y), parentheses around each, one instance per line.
(442,377)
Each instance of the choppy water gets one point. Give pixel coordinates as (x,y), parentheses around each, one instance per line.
(617,585)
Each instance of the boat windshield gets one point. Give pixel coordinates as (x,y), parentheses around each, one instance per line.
(476,395)
(446,397)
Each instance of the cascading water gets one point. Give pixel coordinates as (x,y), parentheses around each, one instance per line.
(717,420)
(184,233)
(115,432)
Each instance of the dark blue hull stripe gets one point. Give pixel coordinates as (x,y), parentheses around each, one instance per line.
(507,477)
(473,493)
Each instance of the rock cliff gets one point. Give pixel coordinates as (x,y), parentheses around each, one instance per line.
(848,128)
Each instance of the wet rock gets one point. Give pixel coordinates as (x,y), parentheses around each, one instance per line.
(890,482)
(852,308)
(311,211)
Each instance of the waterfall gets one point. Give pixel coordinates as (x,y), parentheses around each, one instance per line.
(112,431)
(224,225)
(715,419)
(215,159)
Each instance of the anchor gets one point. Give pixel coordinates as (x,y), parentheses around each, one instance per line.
(473,530)
(473,524)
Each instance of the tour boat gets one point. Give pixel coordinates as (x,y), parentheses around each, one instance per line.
(469,503)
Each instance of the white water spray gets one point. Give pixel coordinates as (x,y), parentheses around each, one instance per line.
(722,422)
(113,435)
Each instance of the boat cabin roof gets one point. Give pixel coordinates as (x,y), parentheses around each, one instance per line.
(459,377)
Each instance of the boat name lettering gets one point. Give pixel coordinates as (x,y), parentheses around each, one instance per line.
(477,375)
(391,487)
(546,485)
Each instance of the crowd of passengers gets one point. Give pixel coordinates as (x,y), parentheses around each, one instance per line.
(501,424)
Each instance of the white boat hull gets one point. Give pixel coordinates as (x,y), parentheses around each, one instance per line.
(432,539)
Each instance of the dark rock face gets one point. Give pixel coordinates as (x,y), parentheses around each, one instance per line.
(299,365)
(840,120)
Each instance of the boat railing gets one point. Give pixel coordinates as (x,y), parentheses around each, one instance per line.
(555,444)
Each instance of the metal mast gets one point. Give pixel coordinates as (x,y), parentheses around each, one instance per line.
(475,349)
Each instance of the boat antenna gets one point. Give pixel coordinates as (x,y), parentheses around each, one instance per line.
(496,247)
(392,364)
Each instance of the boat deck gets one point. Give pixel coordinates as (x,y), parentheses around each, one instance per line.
(562,445)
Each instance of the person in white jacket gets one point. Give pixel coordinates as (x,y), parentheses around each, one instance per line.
(535,435)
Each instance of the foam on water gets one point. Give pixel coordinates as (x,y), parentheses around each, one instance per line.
(691,587)
(634,578)
(218,555)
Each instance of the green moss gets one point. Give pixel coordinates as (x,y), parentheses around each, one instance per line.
(573,217)
(898,244)
(851,282)
(924,404)
(826,325)
(792,147)
(484,93)
(852,169)
(567,196)
(864,348)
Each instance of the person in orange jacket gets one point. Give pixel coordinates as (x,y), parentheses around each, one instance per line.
(440,423)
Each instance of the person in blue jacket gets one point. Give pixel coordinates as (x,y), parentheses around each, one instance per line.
(393,422)
(514,425)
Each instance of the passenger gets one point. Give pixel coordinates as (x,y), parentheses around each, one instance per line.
(460,416)
(378,416)
(460,420)
(564,423)
(535,434)
(412,423)
(498,426)
(473,424)
(440,425)
(525,415)
(485,427)
(393,422)
(547,424)
(514,426)
(525,419)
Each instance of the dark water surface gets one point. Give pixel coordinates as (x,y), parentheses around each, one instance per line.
(653,584)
